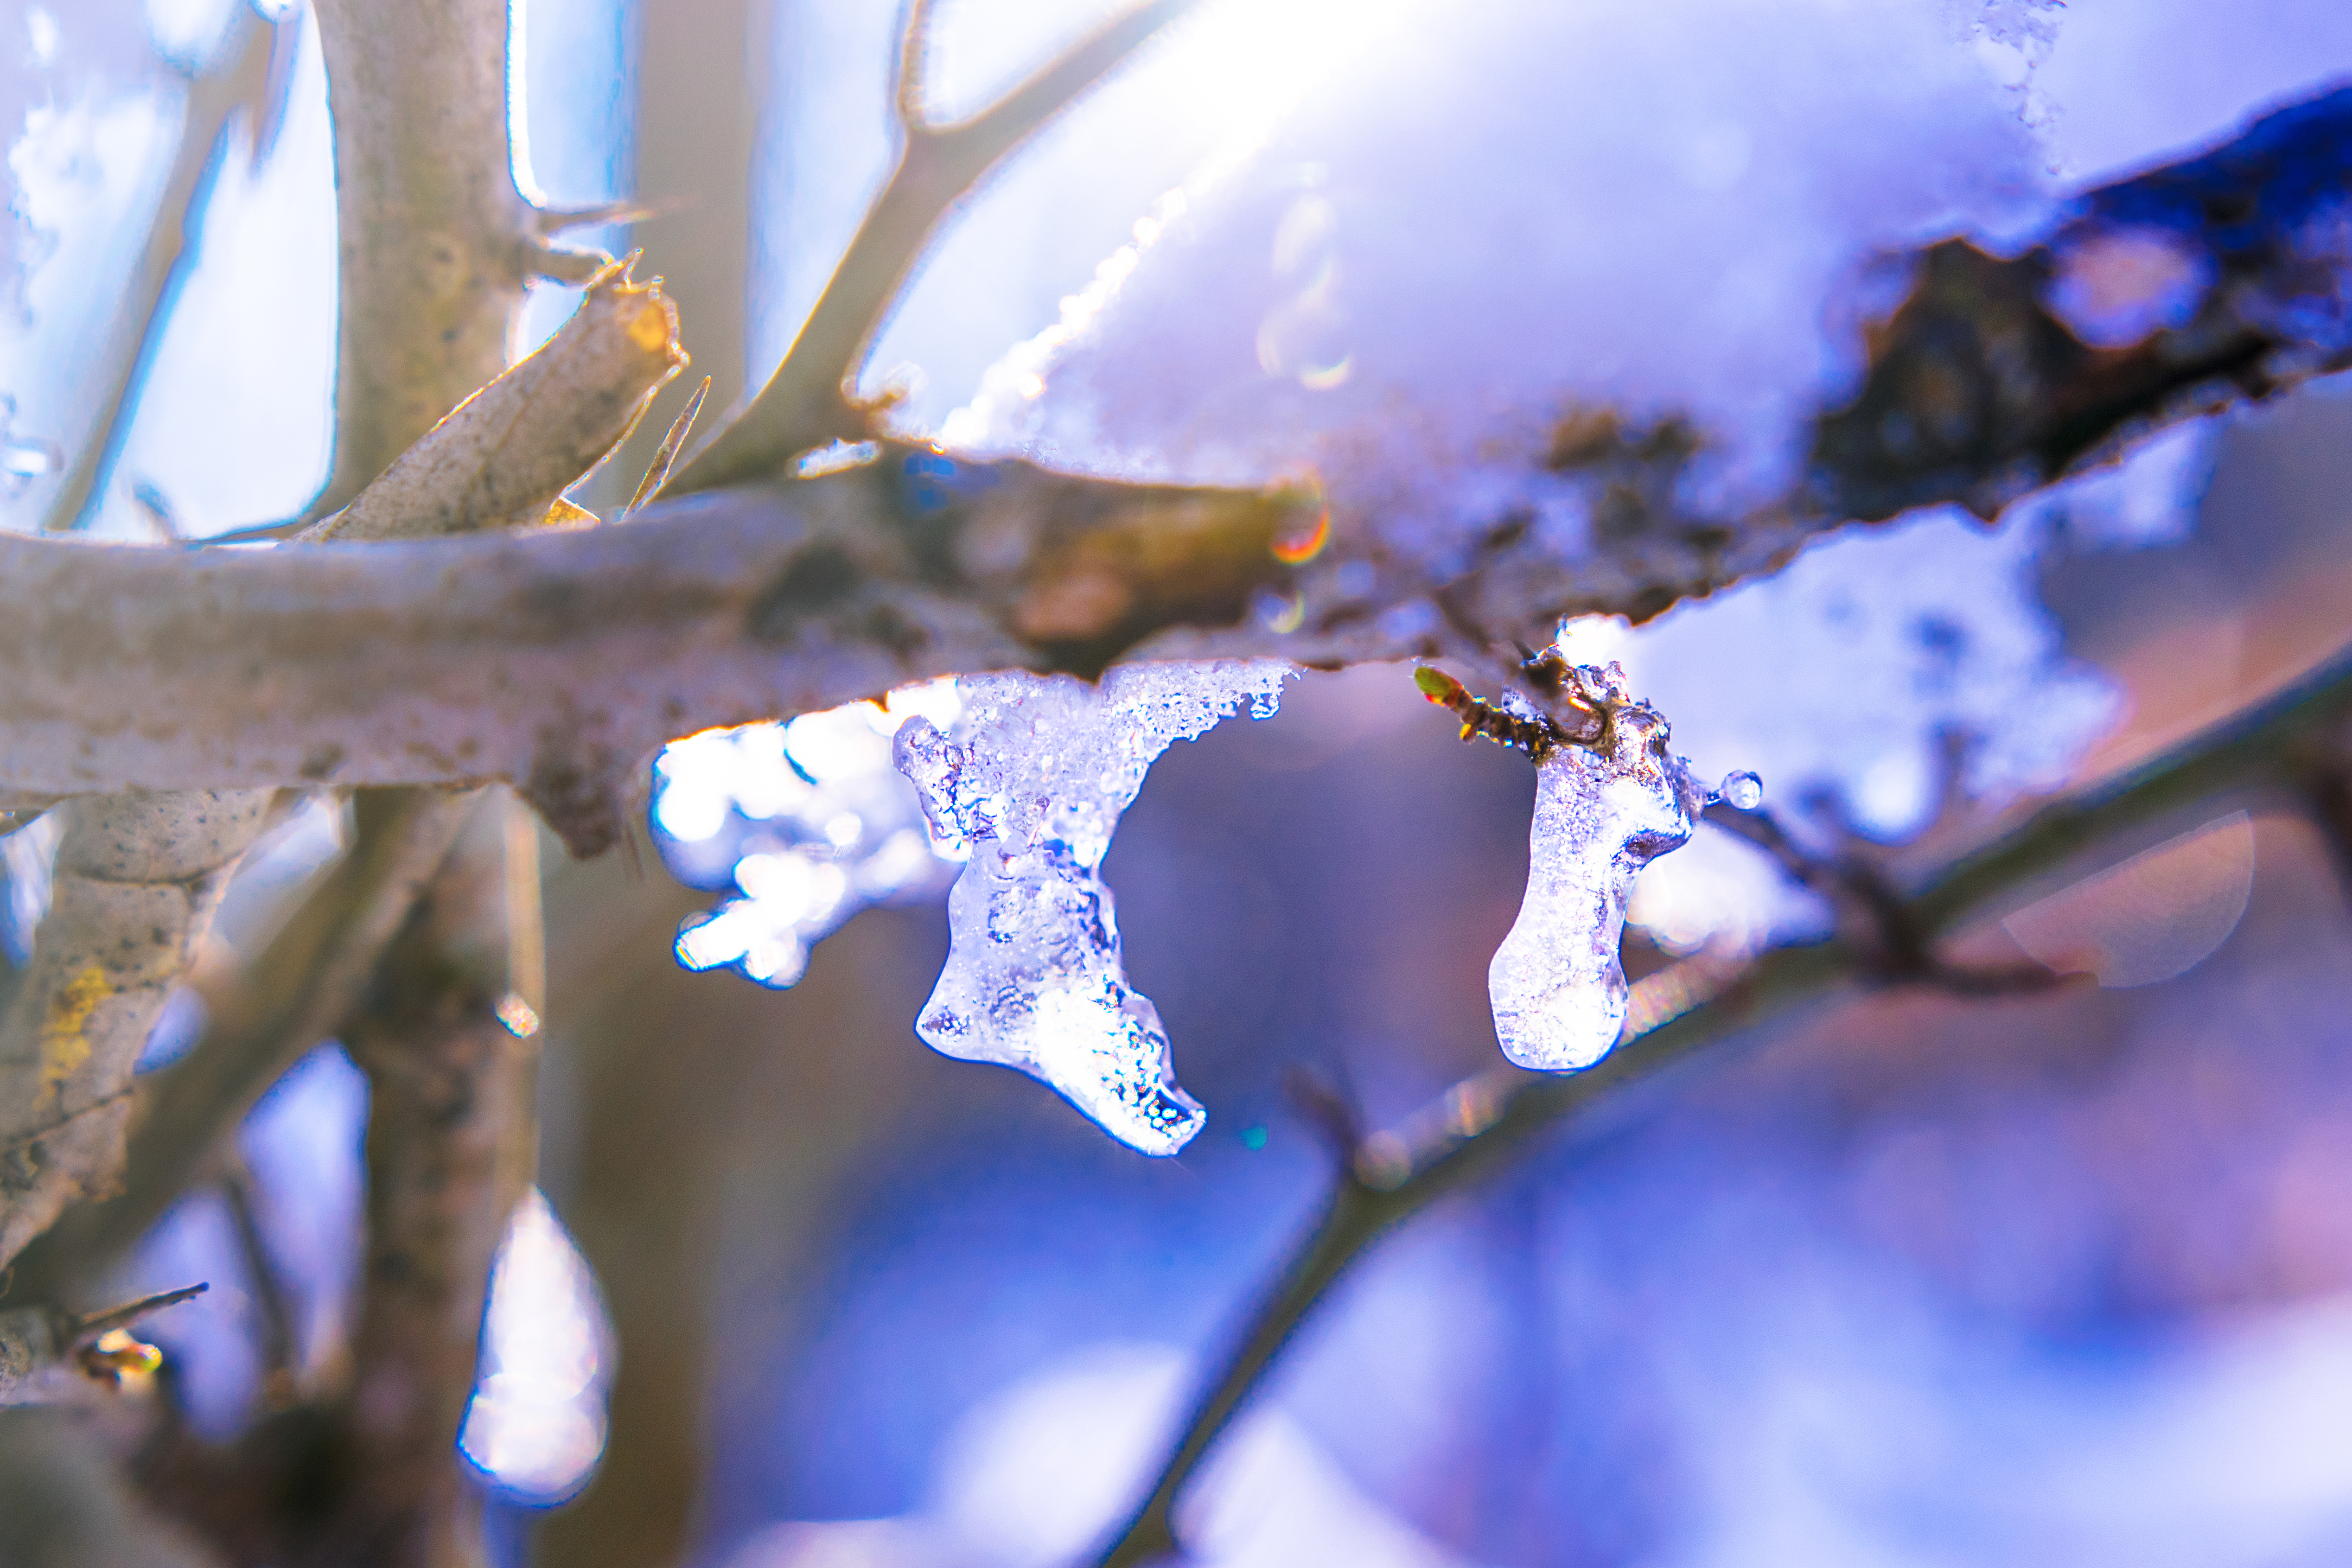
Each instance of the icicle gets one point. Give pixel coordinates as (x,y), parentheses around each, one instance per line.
(1610,798)
(1031,780)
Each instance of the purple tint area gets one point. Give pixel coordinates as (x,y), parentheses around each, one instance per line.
(1901,1279)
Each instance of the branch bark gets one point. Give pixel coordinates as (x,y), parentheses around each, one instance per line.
(451,1147)
(297,993)
(501,458)
(138,877)
(560,663)
(437,242)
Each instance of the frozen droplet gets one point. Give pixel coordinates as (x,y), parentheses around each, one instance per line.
(1741,791)
(1602,812)
(1032,778)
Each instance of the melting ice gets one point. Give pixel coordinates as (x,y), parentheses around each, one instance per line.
(1030,781)
(1603,810)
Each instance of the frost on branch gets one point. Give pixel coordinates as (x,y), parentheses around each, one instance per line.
(1610,798)
(1030,781)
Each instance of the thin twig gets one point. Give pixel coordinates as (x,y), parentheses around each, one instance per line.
(169,257)
(277,1345)
(89,1325)
(1481,1124)
(807,402)
(912,88)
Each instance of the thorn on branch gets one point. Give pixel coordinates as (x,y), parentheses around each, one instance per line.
(552,221)
(89,1326)
(658,471)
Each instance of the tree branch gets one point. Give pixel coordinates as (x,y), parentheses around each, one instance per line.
(437,243)
(1480,1124)
(297,993)
(501,458)
(451,1147)
(560,663)
(169,257)
(807,400)
(138,877)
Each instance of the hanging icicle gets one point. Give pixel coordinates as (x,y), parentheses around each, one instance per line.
(1610,798)
(1030,781)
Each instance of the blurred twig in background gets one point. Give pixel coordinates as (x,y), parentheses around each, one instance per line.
(1387,1178)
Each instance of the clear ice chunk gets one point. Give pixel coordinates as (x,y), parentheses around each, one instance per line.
(1603,810)
(1030,781)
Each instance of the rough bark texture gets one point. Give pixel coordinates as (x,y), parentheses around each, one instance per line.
(258,1024)
(138,877)
(561,660)
(437,243)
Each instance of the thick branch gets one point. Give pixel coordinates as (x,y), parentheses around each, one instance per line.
(807,400)
(562,662)
(562,659)
(1483,1122)
(138,877)
(437,243)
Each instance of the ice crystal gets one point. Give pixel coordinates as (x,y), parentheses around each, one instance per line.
(1604,808)
(1030,781)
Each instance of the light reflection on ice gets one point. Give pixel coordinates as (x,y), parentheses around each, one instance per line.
(536,1425)
(1602,812)
(1030,784)
(808,819)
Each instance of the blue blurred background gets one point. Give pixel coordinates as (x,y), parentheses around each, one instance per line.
(1899,1281)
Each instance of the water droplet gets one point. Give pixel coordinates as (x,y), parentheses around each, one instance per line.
(1741,791)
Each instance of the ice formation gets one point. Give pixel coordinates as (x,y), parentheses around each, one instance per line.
(1030,782)
(1607,802)
(808,821)
(1610,798)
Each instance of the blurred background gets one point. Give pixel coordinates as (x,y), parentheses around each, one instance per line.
(1899,1281)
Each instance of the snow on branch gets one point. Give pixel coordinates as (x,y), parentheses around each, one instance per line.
(562,661)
